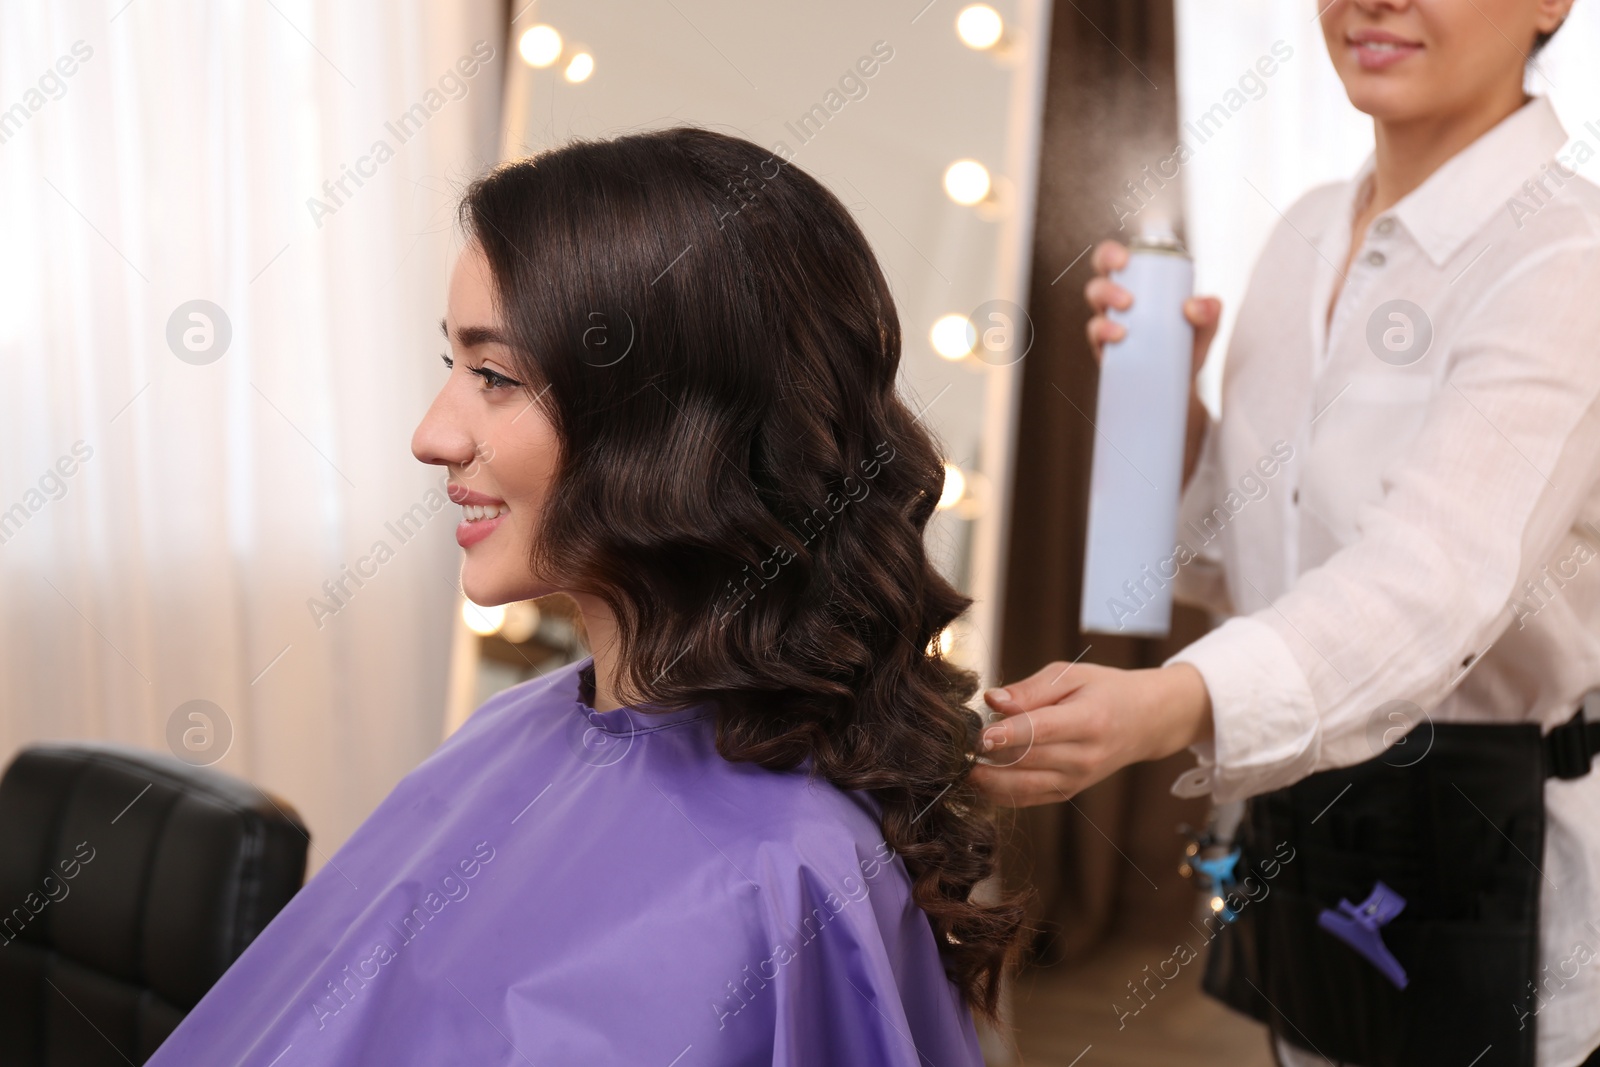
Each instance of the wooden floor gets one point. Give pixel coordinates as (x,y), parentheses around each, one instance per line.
(1068,1016)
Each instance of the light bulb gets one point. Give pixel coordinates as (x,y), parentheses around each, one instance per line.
(522,619)
(966,181)
(955,485)
(540,45)
(481,620)
(974,497)
(979,26)
(953,336)
(580,68)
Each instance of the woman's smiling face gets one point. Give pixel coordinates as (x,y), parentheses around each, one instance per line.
(1405,59)
(497,442)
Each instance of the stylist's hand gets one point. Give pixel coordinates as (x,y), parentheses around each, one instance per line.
(1203,312)
(1070,725)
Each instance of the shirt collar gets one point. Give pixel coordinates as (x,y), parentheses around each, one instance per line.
(1458,198)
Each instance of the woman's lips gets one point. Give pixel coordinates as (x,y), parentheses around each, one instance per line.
(470,531)
(1380,51)
(460,494)
(479,514)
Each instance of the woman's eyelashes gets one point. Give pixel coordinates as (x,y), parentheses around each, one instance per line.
(491,379)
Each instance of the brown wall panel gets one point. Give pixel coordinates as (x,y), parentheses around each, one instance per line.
(1109,857)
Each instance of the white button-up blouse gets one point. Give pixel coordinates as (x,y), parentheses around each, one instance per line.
(1398,508)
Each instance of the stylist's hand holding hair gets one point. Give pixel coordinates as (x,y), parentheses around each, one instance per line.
(1071,724)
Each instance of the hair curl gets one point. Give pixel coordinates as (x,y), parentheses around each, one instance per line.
(717,348)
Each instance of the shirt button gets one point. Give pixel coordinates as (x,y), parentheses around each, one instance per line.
(1295,496)
(1385,226)
(1376,258)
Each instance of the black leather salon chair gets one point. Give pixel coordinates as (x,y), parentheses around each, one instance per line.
(128,883)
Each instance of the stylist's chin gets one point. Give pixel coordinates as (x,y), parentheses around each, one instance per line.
(1071,725)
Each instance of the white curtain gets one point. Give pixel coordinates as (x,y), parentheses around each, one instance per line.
(170,508)
(1285,133)
(1294,128)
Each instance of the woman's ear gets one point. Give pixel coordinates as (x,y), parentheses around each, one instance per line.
(1551,14)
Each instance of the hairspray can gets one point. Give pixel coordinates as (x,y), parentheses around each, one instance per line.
(1137,473)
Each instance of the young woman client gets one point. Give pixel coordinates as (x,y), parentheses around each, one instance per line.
(742,832)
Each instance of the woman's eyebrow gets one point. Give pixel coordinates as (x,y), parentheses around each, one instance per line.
(472,336)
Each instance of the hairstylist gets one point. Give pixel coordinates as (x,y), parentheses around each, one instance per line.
(1425,338)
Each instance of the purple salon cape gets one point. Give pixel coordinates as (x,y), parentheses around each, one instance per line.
(558,886)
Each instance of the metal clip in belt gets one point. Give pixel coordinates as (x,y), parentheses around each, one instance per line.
(1570,747)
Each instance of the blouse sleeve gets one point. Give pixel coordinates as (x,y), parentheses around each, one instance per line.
(1506,456)
(1201,581)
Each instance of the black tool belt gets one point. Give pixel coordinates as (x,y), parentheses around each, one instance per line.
(1459,834)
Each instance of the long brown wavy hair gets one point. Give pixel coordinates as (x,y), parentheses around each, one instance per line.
(716,346)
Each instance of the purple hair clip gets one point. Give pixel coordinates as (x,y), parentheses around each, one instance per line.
(1357,926)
